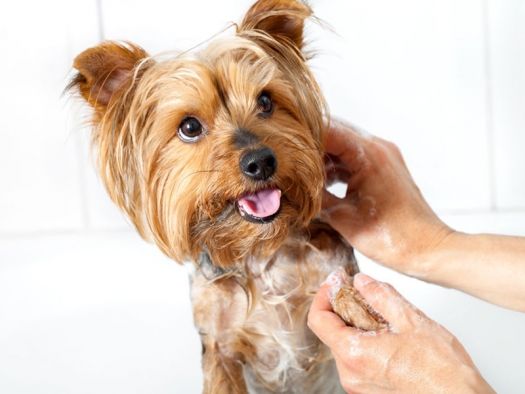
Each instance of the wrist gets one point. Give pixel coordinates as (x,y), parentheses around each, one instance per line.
(474,383)
(424,257)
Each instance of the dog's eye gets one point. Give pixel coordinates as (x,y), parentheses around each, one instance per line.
(190,130)
(265,104)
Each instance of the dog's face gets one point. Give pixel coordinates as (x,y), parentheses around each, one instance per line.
(218,150)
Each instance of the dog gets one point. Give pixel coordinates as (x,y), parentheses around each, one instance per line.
(216,156)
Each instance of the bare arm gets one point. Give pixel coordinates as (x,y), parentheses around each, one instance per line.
(490,267)
(385,217)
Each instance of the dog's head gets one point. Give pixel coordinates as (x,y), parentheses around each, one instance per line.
(218,149)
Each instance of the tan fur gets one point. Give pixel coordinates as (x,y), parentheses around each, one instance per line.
(253,282)
(256,314)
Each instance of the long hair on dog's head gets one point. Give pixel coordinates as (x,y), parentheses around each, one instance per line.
(170,135)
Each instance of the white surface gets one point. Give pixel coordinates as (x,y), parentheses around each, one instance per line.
(87,308)
(94,313)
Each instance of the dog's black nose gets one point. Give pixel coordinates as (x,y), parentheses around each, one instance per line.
(259,164)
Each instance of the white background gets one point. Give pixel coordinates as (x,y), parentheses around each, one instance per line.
(88,307)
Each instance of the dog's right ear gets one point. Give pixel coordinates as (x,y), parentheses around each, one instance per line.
(107,70)
(281,19)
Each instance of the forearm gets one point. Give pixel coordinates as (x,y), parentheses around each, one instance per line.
(490,267)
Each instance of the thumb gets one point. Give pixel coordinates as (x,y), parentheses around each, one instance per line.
(328,326)
(386,300)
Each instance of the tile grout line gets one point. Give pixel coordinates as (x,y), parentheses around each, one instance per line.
(489,106)
(100,16)
(86,217)
(81,169)
(91,231)
(98,230)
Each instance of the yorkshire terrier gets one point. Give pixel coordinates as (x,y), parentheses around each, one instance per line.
(217,157)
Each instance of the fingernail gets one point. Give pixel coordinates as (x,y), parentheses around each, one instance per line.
(337,279)
(361,280)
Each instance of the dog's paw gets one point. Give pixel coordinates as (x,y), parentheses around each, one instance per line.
(350,305)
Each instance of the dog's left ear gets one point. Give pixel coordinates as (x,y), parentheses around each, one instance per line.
(106,70)
(281,19)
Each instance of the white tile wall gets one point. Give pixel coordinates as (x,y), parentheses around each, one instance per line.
(159,26)
(506,35)
(413,72)
(86,306)
(39,171)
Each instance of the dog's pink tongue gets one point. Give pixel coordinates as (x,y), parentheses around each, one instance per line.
(261,204)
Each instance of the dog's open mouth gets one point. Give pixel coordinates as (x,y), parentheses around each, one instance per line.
(262,206)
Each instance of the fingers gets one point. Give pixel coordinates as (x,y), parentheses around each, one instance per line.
(329,327)
(383,298)
(344,161)
(352,145)
(342,141)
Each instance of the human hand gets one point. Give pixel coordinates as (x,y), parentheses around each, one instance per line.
(383,215)
(413,355)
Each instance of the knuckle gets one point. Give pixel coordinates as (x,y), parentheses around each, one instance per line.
(376,287)
(386,148)
(387,287)
(313,320)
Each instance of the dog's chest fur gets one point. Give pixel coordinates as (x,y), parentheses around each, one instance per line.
(254,318)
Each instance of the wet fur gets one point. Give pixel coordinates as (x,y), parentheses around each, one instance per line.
(252,284)
(253,323)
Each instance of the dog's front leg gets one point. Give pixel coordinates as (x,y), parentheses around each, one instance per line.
(219,310)
(223,374)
